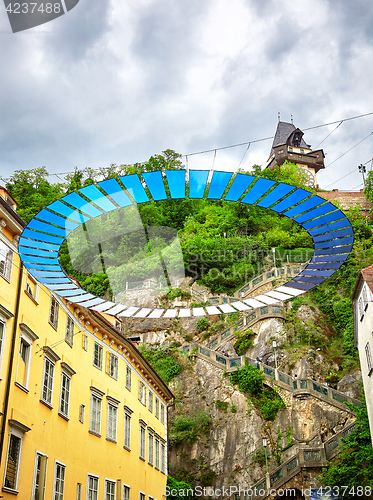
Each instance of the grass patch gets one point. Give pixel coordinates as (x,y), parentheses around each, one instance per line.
(165,360)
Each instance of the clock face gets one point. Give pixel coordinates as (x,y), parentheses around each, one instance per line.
(310,178)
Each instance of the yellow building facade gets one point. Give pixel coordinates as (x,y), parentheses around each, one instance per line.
(84,416)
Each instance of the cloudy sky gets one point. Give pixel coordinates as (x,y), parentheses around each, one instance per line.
(118,81)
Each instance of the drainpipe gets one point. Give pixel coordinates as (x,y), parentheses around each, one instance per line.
(10,370)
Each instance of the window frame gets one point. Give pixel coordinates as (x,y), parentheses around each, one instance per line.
(126,488)
(163,457)
(127,430)
(151,399)
(28,341)
(94,477)
(2,340)
(8,262)
(61,411)
(142,442)
(112,365)
(13,433)
(110,407)
(53,365)
(156,452)
(35,481)
(128,378)
(142,392)
(69,325)
(95,396)
(156,413)
(368,354)
(54,312)
(55,478)
(107,482)
(100,350)
(150,447)
(162,416)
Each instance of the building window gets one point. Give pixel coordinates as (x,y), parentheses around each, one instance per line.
(369,358)
(162,413)
(59,481)
(81,413)
(32,288)
(79,488)
(126,492)
(112,365)
(53,314)
(39,476)
(12,465)
(128,377)
(142,442)
(47,391)
(112,413)
(95,421)
(92,488)
(109,490)
(142,496)
(65,394)
(127,430)
(156,446)
(150,401)
(142,392)
(2,337)
(69,337)
(156,407)
(150,448)
(24,360)
(85,342)
(6,259)
(163,454)
(97,355)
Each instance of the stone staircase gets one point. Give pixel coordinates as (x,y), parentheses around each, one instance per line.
(298,387)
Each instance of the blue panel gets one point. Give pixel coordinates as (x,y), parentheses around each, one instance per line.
(310,272)
(46,274)
(301,286)
(93,302)
(257,190)
(330,227)
(27,233)
(218,184)
(305,279)
(336,234)
(327,265)
(47,228)
(38,244)
(40,267)
(134,187)
(81,204)
(324,220)
(334,243)
(279,192)
(48,281)
(197,183)
(176,183)
(47,216)
(39,260)
(330,258)
(38,253)
(306,205)
(94,194)
(68,293)
(63,209)
(292,199)
(62,286)
(154,181)
(331,251)
(112,188)
(317,212)
(239,185)
(82,298)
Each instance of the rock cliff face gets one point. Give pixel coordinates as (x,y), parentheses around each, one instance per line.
(230,453)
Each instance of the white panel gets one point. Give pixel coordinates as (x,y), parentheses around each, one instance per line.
(211,310)
(266,300)
(142,313)
(277,295)
(170,313)
(198,311)
(116,310)
(128,312)
(241,306)
(253,303)
(226,308)
(103,307)
(157,313)
(184,313)
(291,291)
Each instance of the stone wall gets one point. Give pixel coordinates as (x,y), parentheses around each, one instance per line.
(348,199)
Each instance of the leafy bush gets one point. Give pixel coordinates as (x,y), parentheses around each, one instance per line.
(183,488)
(221,405)
(244,341)
(164,360)
(188,428)
(233,408)
(202,324)
(178,292)
(248,379)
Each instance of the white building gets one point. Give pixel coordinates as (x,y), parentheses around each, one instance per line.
(363,331)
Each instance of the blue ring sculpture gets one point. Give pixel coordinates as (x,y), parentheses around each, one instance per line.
(42,238)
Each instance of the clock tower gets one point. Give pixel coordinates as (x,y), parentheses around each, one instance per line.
(288,144)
